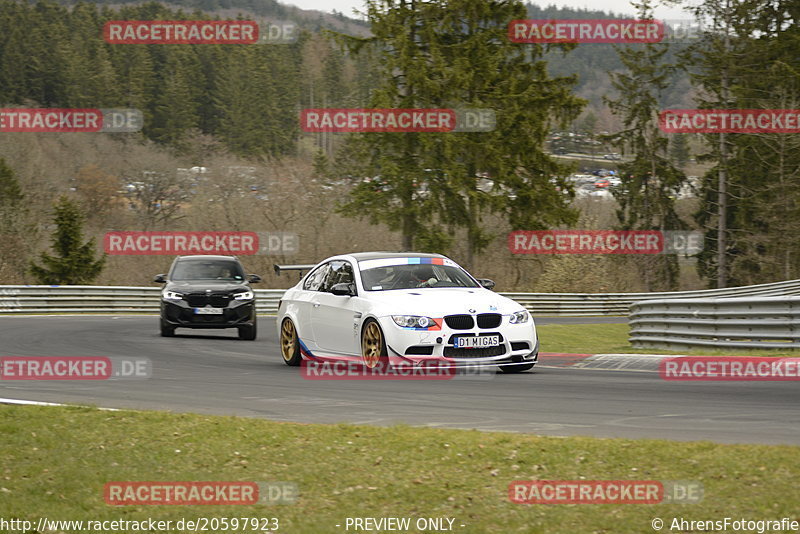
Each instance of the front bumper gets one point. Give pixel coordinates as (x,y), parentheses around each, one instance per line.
(518,345)
(236,313)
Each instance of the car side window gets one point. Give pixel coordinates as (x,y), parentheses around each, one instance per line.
(340,272)
(316,278)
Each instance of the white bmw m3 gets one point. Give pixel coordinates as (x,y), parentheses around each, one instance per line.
(402,309)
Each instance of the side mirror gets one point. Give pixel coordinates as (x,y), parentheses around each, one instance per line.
(343,289)
(485,282)
(253,278)
(160,279)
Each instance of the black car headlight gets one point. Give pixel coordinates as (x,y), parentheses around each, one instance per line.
(171,295)
(247,295)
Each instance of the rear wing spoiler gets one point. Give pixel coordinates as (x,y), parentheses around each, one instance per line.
(301,268)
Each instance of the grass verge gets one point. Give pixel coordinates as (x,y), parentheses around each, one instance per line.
(55,462)
(613,338)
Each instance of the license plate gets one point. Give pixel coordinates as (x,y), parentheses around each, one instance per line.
(477,342)
(208,311)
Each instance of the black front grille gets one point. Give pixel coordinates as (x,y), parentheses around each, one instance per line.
(420,350)
(489,320)
(520,345)
(213,319)
(452,352)
(459,322)
(215,300)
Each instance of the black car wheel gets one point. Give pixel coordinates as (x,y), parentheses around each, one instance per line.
(167,330)
(248,332)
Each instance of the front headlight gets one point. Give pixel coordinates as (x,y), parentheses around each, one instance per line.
(247,295)
(171,295)
(413,321)
(519,317)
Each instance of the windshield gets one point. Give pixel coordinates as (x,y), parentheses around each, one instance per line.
(208,270)
(411,276)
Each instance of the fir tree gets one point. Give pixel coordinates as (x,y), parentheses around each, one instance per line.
(649,182)
(74,261)
(456,54)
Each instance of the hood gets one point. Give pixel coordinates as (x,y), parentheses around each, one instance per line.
(433,302)
(216,286)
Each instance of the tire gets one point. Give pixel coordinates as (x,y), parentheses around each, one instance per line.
(512,369)
(249,332)
(290,345)
(167,330)
(373,345)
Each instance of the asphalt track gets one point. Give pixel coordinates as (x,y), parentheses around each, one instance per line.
(213,372)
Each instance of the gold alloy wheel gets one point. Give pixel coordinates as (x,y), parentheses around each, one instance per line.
(371,344)
(288,340)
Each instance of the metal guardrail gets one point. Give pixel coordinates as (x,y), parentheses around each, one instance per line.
(581,304)
(22,299)
(101,299)
(751,322)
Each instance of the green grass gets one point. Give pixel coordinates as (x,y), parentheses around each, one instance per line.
(55,462)
(613,338)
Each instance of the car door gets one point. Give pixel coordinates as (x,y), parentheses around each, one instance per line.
(334,317)
(304,301)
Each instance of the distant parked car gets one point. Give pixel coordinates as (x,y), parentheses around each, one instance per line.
(613,156)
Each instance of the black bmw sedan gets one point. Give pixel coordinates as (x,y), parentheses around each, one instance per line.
(208,292)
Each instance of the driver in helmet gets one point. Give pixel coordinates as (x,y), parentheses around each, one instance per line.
(424,275)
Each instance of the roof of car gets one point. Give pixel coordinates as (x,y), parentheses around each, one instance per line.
(206,257)
(361,256)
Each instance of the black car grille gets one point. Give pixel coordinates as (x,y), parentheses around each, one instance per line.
(452,352)
(229,315)
(215,300)
(459,322)
(213,319)
(467,322)
(489,320)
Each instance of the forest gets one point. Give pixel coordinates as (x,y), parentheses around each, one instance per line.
(221,147)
